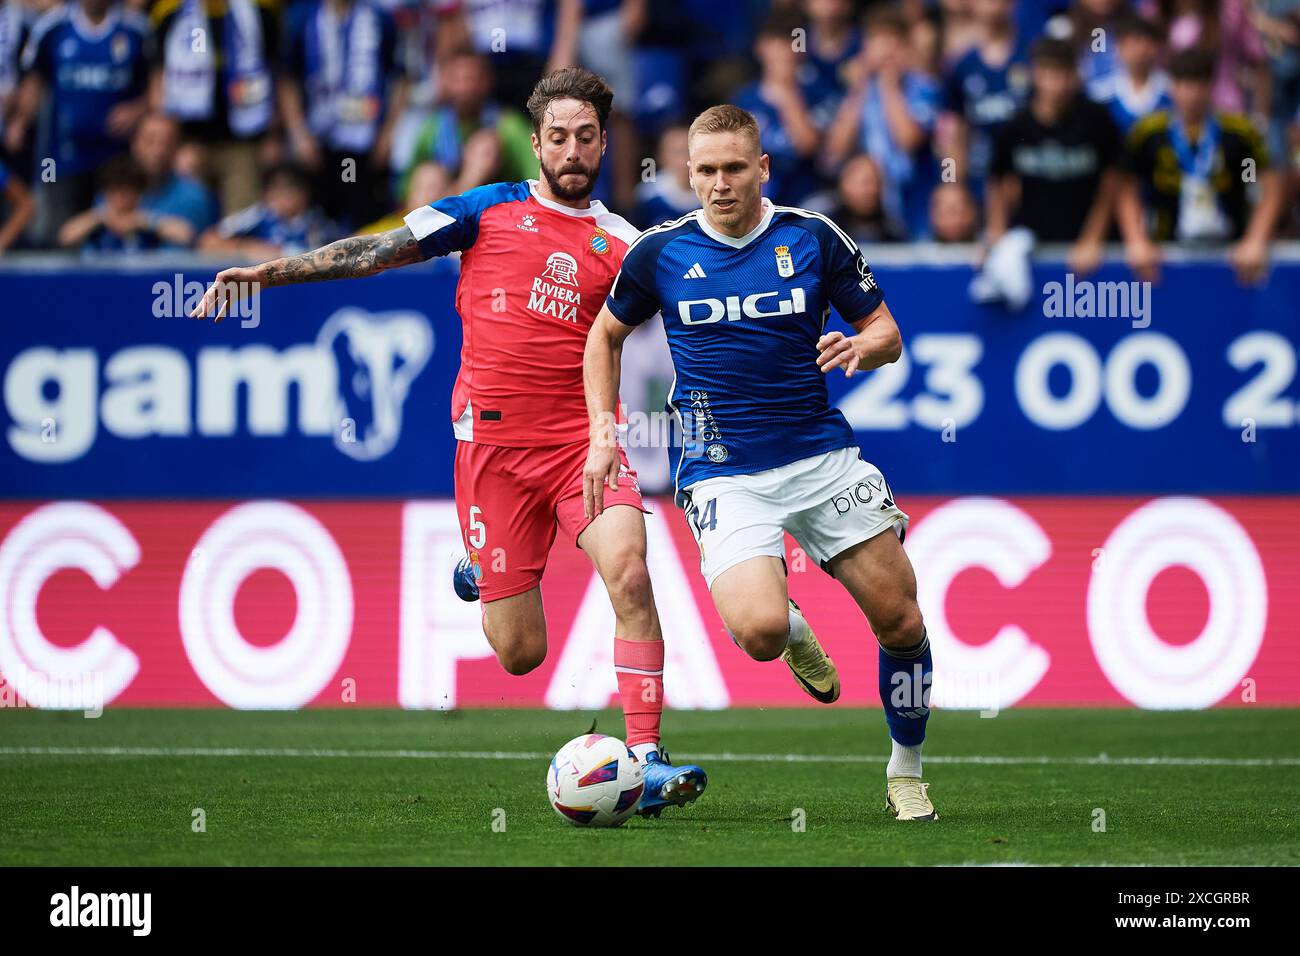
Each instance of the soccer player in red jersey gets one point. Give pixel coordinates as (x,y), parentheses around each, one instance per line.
(538,259)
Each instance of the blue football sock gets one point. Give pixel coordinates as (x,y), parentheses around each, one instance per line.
(905,676)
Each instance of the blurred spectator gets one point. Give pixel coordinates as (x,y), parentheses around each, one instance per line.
(606,45)
(985,88)
(960,31)
(19,207)
(954,217)
(1222,28)
(1056,161)
(120,223)
(476,138)
(788,133)
(14,25)
(283,223)
(88,60)
(833,42)
(429,182)
(524,39)
(428,31)
(860,211)
(1090,26)
(212,73)
(668,194)
(190,161)
(1191,167)
(1137,87)
(167,192)
(1053,177)
(891,115)
(1278,22)
(342,95)
(925,43)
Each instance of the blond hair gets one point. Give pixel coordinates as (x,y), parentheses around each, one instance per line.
(725,119)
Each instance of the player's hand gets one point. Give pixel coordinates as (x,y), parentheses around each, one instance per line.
(227,288)
(601,469)
(839,351)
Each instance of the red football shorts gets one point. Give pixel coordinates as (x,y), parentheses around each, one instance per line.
(511,502)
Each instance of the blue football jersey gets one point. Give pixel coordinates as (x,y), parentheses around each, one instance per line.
(743,317)
(89,69)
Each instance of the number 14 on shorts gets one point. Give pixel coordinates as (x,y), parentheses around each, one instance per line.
(704,518)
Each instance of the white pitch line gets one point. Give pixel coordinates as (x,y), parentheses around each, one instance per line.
(1100,760)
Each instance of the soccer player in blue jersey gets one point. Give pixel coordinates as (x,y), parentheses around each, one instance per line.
(745,288)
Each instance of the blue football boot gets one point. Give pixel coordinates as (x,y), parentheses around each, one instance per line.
(669,786)
(465,580)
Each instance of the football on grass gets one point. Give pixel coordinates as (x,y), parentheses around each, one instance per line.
(594,781)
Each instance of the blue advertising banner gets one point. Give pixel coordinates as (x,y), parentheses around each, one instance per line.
(343,388)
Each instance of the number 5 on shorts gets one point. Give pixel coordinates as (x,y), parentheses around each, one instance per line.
(477,532)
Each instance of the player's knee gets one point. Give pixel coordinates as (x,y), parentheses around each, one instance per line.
(519,659)
(903,627)
(763,636)
(628,580)
(518,651)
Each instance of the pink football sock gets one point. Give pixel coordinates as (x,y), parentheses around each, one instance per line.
(639,667)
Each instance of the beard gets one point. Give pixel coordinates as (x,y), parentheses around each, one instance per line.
(572,193)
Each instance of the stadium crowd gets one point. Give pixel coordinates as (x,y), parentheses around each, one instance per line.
(253,128)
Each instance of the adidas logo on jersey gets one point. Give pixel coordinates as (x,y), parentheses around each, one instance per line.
(695,272)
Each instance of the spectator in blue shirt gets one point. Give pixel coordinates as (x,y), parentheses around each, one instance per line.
(890,115)
(283,223)
(120,223)
(833,41)
(790,138)
(89,57)
(14,25)
(668,194)
(985,88)
(1138,87)
(168,193)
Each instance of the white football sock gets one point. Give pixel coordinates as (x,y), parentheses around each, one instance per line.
(904,761)
(641,751)
(798,628)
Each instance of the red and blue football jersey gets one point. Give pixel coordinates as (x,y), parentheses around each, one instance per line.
(533,276)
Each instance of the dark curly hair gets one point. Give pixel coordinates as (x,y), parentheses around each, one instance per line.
(573,83)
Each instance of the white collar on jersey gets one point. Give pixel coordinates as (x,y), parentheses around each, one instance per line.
(747,238)
(596,208)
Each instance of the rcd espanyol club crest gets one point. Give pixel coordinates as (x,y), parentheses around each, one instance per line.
(784,263)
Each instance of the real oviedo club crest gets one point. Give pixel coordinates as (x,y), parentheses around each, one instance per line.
(784,262)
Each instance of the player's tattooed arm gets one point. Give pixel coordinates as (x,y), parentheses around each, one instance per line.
(349,258)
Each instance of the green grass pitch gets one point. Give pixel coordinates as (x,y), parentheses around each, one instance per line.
(383,787)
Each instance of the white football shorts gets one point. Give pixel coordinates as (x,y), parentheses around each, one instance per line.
(828,503)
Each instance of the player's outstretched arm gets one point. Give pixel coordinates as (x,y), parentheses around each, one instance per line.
(349,258)
(601,368)
(877,342)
